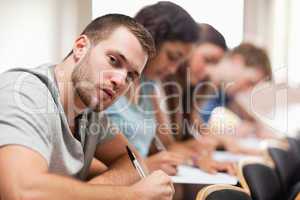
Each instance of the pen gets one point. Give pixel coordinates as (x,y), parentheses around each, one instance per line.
(135,163)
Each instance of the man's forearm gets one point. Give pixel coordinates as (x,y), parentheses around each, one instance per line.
(49,187)
(96,168)
(121,172)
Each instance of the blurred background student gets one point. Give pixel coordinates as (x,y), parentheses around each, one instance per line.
(205,83)
(240,70)
(135,114)
(202,86)
(193,83)
(141,116)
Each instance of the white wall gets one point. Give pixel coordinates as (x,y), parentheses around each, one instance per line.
(226,16)
(274,24)
(293,49)
(258,22)
(33,32)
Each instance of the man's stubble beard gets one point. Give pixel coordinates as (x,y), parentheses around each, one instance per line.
(84,88)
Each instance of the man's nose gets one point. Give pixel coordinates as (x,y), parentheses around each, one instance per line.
(118,79)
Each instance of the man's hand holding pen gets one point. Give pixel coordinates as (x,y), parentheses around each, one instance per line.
(156,186)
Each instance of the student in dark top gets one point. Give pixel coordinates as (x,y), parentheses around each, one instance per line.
(193,81)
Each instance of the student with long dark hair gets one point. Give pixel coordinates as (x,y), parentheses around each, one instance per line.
(194,84)
(137,115)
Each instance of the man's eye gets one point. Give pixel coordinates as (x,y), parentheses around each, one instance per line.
(113,61)
(131,76)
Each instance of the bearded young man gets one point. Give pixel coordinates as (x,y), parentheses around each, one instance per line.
(51,124)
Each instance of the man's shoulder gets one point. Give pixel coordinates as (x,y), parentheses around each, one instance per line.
(25,85)
(25,75)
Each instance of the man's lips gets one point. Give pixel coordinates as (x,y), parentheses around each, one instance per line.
(109,92)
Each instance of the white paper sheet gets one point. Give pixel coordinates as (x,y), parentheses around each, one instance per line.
(251,142)
(191,175)
(227,156)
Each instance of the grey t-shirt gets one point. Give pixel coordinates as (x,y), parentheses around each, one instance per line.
(31,115)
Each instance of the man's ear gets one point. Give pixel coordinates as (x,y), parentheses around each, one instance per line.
(81,47)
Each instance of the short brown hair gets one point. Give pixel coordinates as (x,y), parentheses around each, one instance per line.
(101,27)
(254,56)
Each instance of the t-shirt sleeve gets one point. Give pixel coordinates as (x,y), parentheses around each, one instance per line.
(24,113)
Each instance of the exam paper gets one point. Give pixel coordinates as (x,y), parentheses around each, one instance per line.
(251,142)
(230,157)
(191,175)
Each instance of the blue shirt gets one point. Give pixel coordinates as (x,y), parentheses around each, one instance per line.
(136,122)
(221,99)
